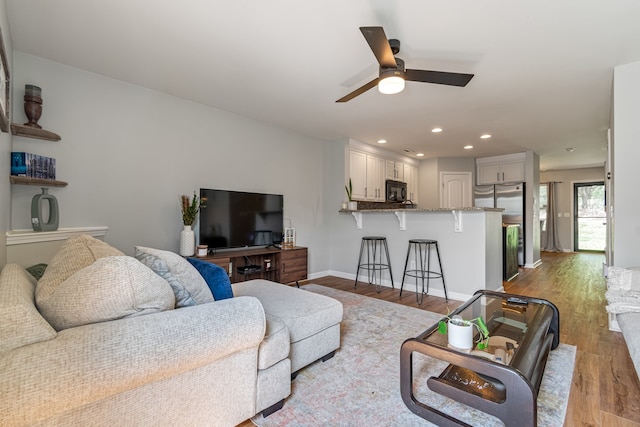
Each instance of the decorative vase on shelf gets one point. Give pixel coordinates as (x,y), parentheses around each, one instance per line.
(33,105)
(40,204)
(187,241)
(353,206)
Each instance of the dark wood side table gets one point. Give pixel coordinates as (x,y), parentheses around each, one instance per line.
(508,391)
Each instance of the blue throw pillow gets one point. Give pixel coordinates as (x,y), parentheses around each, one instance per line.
(216,278)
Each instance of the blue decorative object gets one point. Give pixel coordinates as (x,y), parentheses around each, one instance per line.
(216,278)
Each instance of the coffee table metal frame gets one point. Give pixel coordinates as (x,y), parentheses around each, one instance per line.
(515,402)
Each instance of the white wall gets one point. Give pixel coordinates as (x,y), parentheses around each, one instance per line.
(5,148)
(564,193)
(128,153)
(626,175)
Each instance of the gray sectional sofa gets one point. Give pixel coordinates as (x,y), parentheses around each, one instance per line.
(98,340)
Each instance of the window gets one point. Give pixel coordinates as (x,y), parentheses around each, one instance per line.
(543,207)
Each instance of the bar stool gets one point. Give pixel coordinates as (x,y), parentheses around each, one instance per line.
(373,245)
(422,255)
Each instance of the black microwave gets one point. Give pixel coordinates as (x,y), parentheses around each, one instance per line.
(396,191)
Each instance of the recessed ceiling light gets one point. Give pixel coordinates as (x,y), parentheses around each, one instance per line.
(419,154)
(485,136)
(382,141)
(436,130)
(468,147)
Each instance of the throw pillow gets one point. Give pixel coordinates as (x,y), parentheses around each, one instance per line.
(75,254)
(182,271)
(216,278)
(37,270)
(111,288)
(157,264)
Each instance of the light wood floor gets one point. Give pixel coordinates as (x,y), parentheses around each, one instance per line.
(605,390)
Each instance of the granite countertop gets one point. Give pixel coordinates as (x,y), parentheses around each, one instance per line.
(397,209)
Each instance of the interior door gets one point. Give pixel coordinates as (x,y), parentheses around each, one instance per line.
(456,190)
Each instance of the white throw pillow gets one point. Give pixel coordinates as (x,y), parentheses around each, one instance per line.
(182,271)
(75,254)
(623,279)
(111,288)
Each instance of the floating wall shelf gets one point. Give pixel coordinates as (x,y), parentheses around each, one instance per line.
(31,132)
(25,180)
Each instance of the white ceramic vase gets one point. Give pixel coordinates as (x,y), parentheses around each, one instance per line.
(187,241)
(353,206)
(460,334)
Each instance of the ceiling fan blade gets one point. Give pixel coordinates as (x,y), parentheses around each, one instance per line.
(438,77)
(359,91)
(379,44)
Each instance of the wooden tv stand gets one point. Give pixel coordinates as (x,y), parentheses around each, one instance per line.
(278,265)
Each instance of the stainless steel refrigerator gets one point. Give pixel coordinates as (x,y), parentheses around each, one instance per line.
(509,197)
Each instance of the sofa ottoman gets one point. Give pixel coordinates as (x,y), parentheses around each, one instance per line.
(313,320)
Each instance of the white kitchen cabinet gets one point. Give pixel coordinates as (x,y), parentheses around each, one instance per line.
(367,176)
(397,171)
(375,190)
(499,169)
(358,174)
(412,184)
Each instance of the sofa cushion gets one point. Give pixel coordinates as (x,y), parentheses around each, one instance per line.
(75,254)
(305,313)
(110,288)
(216,278)
(157,264)
(275,345)
(182,271)
(20,322)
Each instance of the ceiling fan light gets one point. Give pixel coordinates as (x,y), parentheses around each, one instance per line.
(390,85)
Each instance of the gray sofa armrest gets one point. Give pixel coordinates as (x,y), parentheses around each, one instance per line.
(92,362)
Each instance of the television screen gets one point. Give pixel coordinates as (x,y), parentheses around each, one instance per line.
(235,219)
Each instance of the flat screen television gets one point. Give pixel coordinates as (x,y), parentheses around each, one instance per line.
(236,219)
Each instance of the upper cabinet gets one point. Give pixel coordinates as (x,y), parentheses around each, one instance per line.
(397,171)
(412,184)
(500,169)
(369,168)
(367,176)
(375,190)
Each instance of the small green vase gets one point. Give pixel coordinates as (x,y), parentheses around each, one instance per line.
(37,211)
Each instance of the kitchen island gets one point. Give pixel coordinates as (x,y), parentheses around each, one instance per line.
(470,242)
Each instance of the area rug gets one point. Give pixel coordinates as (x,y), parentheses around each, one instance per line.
(360,385)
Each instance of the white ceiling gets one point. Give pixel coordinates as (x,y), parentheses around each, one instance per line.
(543,69)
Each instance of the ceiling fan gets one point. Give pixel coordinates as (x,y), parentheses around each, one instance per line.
(392,74)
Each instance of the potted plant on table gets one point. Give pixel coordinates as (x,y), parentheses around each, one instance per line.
(190,209)
(353,205)
(460,332)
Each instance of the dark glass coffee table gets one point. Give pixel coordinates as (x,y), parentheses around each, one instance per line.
(522,329)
